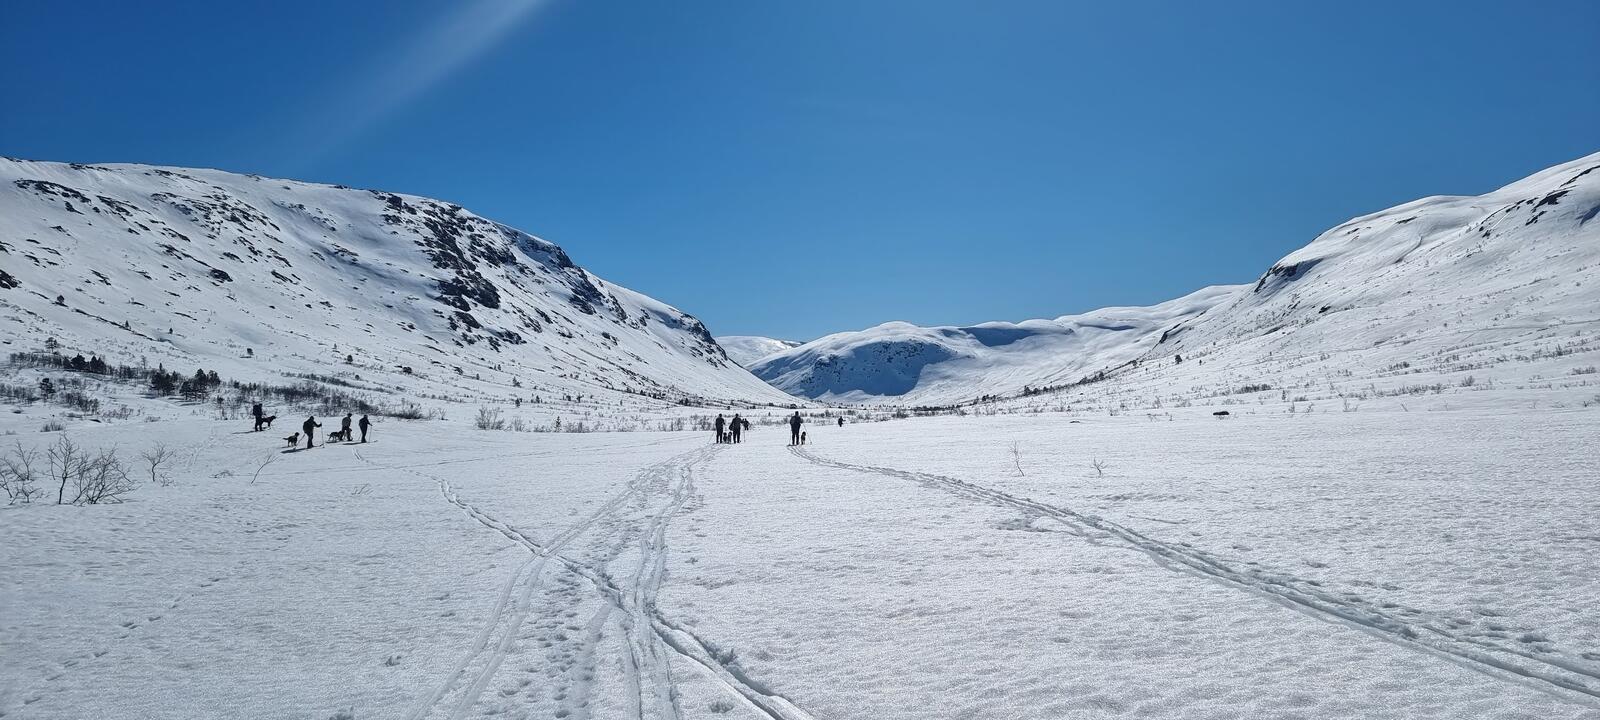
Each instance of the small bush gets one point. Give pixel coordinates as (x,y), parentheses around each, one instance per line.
(52,426)
(407,412)
(489,419)
(156,458)
(19,473)
(95,478)
(102,478)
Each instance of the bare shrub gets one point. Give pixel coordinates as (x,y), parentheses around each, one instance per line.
(52,426)
(489,419)
(19,474)
(266,460)
(407,412)
(1099,467)
(102,478)
(65,460)
(154,459)
(1016,459)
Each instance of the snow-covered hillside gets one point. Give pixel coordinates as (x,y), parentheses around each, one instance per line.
(1456,282)
(261,279)
(747,349)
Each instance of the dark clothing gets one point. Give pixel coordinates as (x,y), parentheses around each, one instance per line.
(308,427)
(794,429)
(841,422)
(344,427)
(255,410)
(737,427)
(722,426)
(363,424)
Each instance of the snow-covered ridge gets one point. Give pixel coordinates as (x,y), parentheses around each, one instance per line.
(260,278)
(907,363)
(1447,270)
(747,349)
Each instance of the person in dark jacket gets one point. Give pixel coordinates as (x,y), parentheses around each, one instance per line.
(308,427)
(255,411)
(841,422)
(722,426)
(794,428)
(737,426)
(364,424)
(344,427)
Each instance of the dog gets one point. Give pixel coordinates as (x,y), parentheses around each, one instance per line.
(266,420)
(802,437)
(293,440)
(339,436)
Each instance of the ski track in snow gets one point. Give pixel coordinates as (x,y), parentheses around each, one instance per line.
(652,639)
(1549,674)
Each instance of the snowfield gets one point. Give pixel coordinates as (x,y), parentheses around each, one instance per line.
(1377,564)
(747,349)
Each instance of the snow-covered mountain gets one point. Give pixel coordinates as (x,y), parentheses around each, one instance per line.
(905,363)
(1512,270)
(262,279)
(747,349)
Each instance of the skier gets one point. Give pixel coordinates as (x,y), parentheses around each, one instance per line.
(255,411)
(364,424)
(841,421)
(308,427)
(794,428)
(721,426)
(344,427)
(737,427)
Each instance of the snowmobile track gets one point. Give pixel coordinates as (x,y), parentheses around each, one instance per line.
(1480,655)
(649,631)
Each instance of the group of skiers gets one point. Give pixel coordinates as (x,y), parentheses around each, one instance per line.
(309,427)
(732,431)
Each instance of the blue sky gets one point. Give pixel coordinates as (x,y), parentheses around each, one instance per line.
(799,168)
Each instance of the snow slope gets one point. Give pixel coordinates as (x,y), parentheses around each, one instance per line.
(1493,277)
(747,349)
(262,279)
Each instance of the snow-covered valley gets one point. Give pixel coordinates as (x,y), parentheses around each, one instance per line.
(1380,564)
(1363,486)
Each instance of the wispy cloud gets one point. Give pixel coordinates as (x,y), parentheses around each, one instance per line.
(390,82)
